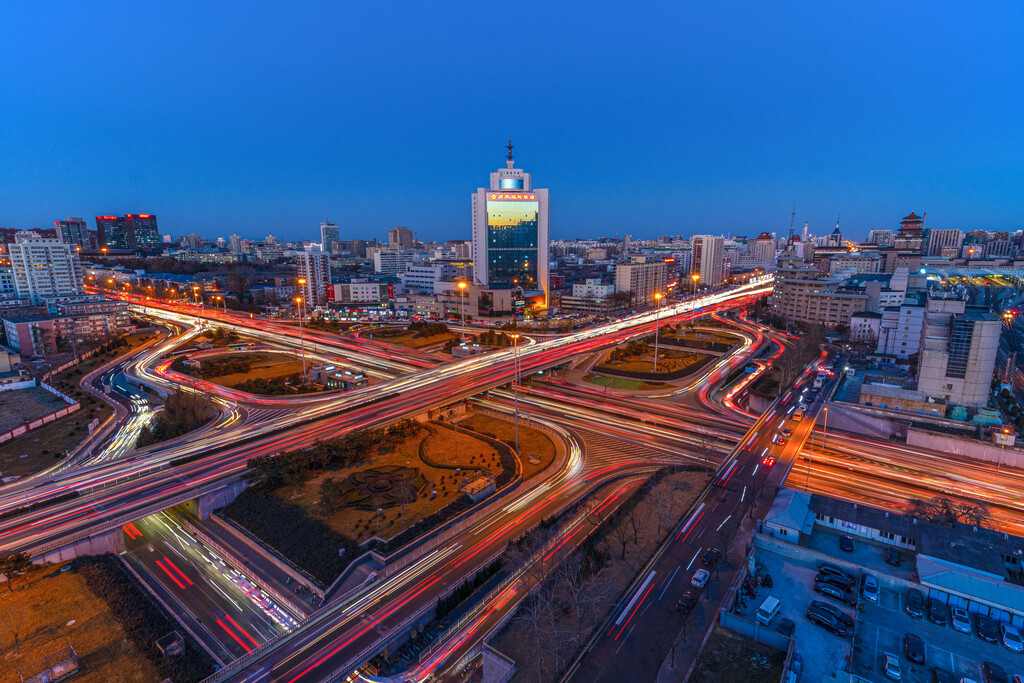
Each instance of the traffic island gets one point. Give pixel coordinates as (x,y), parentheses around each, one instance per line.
(374,490)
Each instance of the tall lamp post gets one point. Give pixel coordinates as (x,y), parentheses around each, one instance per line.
(515,385)
(462,291)
(693,306)
(657,326)
(810,454)
(195,293)
(302,339)
(1002,447)
(695,277)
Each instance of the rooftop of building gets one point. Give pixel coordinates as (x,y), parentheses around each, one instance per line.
(867,314)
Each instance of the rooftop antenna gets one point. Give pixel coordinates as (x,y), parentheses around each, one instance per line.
(837,222)
(792,218)
(509,162)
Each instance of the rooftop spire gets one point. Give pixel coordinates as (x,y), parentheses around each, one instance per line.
(509,162)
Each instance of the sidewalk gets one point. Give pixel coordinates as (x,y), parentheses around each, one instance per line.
(702,622)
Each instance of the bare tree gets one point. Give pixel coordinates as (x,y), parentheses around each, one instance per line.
(949,511)
(12,616)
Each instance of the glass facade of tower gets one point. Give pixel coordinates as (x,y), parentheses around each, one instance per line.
(512,236)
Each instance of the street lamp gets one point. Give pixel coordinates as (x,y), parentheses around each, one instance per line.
(810,453)
(462,291)
(1002,447)
(695,277)
(515,385)
(302,339)
(657,325)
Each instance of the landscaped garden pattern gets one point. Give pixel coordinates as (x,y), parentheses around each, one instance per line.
(638,357)
(295,503)
(532,442)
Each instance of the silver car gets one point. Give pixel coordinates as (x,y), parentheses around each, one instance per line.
(869,588)
(961,620)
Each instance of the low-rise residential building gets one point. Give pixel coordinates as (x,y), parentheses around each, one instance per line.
(40,334)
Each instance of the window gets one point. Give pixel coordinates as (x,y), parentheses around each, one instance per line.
(783,532)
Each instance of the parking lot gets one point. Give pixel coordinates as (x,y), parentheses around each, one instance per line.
(880,628)
(792,585)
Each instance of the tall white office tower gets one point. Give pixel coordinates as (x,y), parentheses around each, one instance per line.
(510,232)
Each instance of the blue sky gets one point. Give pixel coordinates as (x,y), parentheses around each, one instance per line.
(648,119)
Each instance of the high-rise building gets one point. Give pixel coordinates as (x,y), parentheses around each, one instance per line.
(236,244)
(134,231)
(944,242)
(315,268)
(958,352)
(143,233)
(392,262)
(111,232)
(511,232)
(762,251)
(708,259)
(882,238)
(44,267)
(73,232)
(400,238)
(328,235)
(644,276)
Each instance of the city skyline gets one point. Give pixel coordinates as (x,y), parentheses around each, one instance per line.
(652,134)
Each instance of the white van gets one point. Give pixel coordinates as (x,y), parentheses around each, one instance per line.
(768,609)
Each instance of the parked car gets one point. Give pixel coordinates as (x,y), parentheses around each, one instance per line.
(836,571)
(833,610)
(892,556)
(993,673)
(711,556)
(846,543)
(687,602)
(833,591)
(940,676)
(834,580)
(961,620)
(936,612)
(786,627)
(891,666)
(915,603)
(827,622)
(913,647)
(988,629)
(700,578)
(869,588)
(1011,638)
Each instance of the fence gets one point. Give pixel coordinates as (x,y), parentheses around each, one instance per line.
(53,666)
(45,419)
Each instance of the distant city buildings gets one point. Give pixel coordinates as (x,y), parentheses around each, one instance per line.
(511,232)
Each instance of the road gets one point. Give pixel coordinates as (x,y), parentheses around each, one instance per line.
(106,494)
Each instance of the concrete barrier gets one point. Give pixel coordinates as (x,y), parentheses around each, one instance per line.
(970,448)
(755,630)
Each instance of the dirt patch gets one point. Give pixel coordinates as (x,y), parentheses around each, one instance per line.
(669,361)
(536,448)
(443,450)
(264,366)
(24,405)
(48,601)
(729,656)
(623,383)
(408,338)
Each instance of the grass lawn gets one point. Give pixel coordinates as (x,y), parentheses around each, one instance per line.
(622,382)
(442,446)
(531,441)
(729,656)
(48,601)
(408,338)
(265,366)
(669,360)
